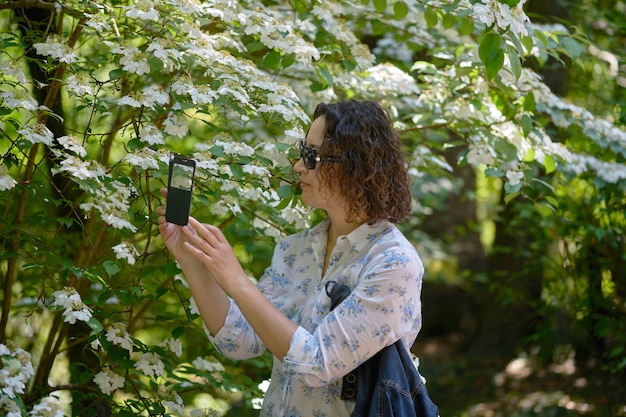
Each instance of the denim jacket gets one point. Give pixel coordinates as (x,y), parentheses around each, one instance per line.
(388,384)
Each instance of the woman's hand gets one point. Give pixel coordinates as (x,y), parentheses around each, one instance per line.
(172,234)
(208,245)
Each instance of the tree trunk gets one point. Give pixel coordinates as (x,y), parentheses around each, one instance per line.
(35,20)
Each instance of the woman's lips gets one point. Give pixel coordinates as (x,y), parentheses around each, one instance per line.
(303,184)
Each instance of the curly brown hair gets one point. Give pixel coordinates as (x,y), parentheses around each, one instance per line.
(368,167)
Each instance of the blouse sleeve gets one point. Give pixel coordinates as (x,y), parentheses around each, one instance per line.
(236,339)
(383,307)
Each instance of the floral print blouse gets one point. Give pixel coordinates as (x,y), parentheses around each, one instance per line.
(385,273)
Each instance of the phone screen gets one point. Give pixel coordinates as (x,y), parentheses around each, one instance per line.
(182,176)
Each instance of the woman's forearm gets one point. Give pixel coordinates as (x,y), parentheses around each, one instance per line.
(269,323)
(212,302)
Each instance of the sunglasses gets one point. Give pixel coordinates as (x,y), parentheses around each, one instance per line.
(309,156)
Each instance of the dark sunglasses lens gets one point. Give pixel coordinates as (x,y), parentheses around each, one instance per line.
(308,155)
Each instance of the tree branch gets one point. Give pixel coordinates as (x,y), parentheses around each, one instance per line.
(29,4)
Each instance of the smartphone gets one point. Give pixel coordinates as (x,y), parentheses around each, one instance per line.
(179,189)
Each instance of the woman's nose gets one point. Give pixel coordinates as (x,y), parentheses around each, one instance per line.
(299,166)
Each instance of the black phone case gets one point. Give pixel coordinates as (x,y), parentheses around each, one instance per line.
(178,200)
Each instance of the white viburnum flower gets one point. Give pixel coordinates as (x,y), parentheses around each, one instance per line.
(204,412)
(37,133)
(78,168)
(9,68)
(132,100)
(151,365)
(203,364)
(175,346)
(96,345)
(143,159)
(66,297)
(79,85)
(6,181)
(108,381)
(72,144)
(193,307)
(19,99)
(175,403)
(54,48)
(118,335)
(479,155)
(235,148)
(132,59)
(112,201)
(74,309)
(126,250)
(78,311)
(151,135)
(142,9)
(97,22)
(176,125)
(47,407)
(16,370)
(154,95)
(10,407)
(514,177)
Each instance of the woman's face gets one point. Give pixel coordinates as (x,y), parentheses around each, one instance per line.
(315,193)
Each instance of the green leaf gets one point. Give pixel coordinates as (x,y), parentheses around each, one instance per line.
(431,17)
(529,102)
(448,21)
(65,221)
(552,201)
(528,43)
(324,75)
(510,197)
(237,171)
(285,191)
(272,59)
(95,325)
(400,10)
(530,155)
(348,64)
(494,172)
(572,47)
(516,65)
(491,54)
(85,377)
(466,26)
(380,5)
(287,60)
(545,210)
(116,74)
(549,164)
(135,144)
(511,3)
(111,267)
(512,189)
(527,124)
(178,332)
(255,46)
(545,184)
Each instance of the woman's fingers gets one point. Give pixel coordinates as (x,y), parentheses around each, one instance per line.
(205,231)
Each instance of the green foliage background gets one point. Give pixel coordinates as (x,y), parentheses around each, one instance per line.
(518,186)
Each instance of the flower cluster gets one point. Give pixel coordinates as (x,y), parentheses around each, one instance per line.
(503,16)
(6,181)
(74,309)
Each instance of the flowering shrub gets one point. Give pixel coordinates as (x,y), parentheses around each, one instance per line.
(95,96)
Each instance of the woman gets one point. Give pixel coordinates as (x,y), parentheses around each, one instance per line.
(351,167)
